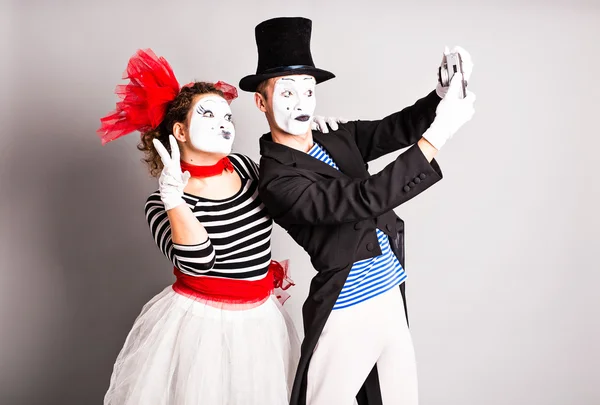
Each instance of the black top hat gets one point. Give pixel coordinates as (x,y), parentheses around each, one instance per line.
(283,49)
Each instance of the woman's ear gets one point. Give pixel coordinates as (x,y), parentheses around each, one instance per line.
(179,132)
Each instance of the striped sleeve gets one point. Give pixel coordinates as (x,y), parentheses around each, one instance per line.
(245,165)
(193,260)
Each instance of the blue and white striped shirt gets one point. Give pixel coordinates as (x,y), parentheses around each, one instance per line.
(370,277)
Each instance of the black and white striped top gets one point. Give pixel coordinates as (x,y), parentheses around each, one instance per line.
(239,230)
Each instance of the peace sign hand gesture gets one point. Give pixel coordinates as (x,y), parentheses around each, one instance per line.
(172,180)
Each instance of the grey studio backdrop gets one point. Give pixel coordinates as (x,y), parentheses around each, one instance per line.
(502,255)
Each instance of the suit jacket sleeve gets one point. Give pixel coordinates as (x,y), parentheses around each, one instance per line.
(397,131)
(292,198)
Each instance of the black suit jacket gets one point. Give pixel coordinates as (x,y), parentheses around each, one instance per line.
(333,214)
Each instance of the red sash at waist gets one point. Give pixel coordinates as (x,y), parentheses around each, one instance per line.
(230,290)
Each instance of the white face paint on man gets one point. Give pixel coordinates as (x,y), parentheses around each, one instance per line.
(211,128)
(294,103)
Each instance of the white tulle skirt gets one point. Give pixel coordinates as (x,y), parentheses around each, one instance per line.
(182,351)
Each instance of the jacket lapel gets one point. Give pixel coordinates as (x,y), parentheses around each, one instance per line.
(292,157)
(348,160)
(339,148)
(307,162)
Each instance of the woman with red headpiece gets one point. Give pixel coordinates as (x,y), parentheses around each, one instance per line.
(218,335)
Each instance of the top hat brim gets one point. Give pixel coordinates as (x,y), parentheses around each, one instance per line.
(251,82)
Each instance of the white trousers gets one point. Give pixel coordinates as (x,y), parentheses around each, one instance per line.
(353,341)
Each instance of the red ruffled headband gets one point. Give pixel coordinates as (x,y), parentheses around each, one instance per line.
(152,85)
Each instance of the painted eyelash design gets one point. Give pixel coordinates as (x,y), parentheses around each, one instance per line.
(200,110)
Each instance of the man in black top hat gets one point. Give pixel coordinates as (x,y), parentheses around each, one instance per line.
(318,189)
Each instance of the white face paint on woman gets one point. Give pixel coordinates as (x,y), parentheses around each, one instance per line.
(211,128)
(294,103)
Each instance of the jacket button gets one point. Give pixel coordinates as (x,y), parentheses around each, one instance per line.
(422,176)
(370,246)
(406,188)
(357,226)
(411,184)
(417,180)
(389,227)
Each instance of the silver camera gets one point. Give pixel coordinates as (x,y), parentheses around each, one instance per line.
(451,65)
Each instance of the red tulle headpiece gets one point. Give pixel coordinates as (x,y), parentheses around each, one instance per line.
(229,92)
(144,100)
(152,86)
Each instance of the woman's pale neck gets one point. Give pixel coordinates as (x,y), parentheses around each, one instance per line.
(201,158)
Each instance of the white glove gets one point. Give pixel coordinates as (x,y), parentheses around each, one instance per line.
(451,114)
(171,181)
(320,123)
(467,65)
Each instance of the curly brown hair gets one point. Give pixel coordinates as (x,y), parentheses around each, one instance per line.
(177,111)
